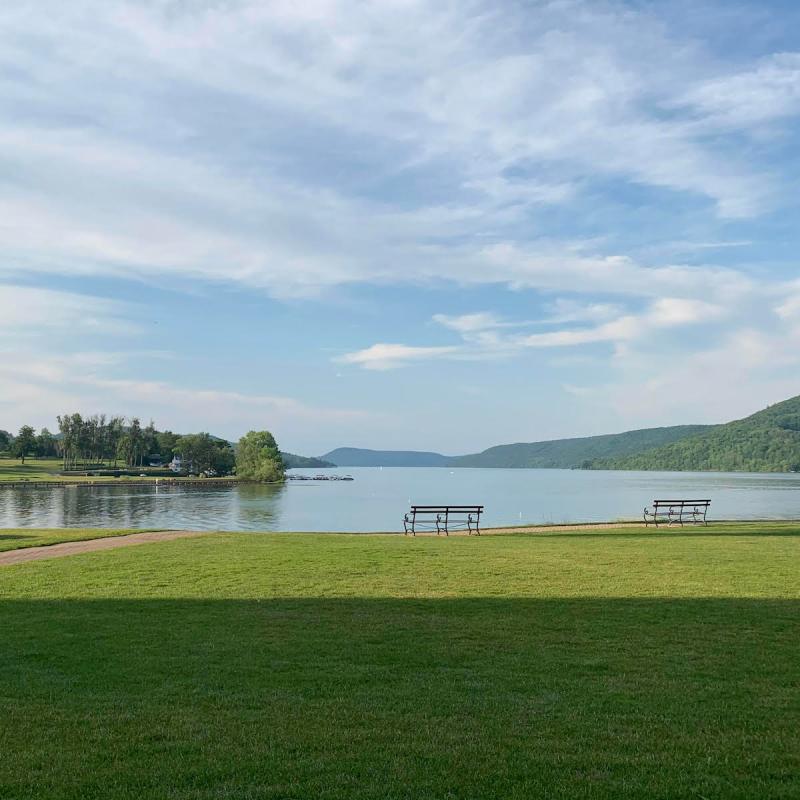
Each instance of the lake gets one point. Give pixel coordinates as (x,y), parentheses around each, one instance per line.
(377,499)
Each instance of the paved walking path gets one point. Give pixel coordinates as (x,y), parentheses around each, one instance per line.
(89,545)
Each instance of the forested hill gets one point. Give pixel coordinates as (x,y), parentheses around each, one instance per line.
(560,453)
(768,441)
(292,461)
(567,453)
(358,457)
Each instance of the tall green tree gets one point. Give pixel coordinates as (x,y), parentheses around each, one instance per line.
(25,442)
(69,437)
(136,442)
(124,449)
(165,441)
(45,444)
(258,458)
(149,441)
(5,440)
(113,434)
(202,453)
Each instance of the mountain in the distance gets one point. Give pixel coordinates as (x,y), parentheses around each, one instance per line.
(293,461)
(357,457)
(568,453)
(560,453)
(767,441)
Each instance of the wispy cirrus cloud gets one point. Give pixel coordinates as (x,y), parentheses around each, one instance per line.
(485,336)
(113,169)
(390,356)
(28,310)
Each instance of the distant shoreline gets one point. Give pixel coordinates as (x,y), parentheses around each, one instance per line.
(131,483)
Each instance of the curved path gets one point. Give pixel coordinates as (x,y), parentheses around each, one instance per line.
(88,545)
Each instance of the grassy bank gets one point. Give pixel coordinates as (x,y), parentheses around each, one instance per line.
(48,469)
(570,664)
(13,539)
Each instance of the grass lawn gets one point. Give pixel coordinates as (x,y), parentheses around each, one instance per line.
(13,539)
(47,469)
(11,469)
(613,664)
(42,469)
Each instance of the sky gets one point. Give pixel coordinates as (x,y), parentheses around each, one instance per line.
(436,225)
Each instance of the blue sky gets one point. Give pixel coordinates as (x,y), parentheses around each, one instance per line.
(425,225)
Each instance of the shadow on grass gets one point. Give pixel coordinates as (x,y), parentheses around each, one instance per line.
(399,698)
(15,536)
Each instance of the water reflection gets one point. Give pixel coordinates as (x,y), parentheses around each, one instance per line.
(376,499)
(204,508)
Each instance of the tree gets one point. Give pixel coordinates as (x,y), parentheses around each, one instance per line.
(202,453)
(25,442)
(45,444)
(113,434)
(124,449)
(135,436)
(224,458)
(258,458)
(5,440)
(149,441)
(67,425)
(166,444)
(192,451)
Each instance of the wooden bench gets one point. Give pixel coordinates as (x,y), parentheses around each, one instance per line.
(676,512)
(443,519)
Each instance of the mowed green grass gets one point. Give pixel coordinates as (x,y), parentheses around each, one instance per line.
(47,469)
(42,469)
(16,538)
(613,664)
(12,469)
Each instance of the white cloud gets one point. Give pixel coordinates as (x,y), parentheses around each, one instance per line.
(34,387)
(483,334)
(470,323)
(27,310)
(746,99)
(390,356)
(264,144)
(746,370)
(568,310)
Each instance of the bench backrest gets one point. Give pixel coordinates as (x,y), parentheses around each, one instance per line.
(658,503)
(446,509)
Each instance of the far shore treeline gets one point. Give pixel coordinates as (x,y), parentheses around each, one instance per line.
(101,441)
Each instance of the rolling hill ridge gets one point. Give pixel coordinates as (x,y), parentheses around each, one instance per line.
(555,454)
(767,441)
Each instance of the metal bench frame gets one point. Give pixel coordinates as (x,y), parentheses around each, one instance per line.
(443,519)
(677,512)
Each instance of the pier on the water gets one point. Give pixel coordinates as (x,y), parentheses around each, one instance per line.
(319,478)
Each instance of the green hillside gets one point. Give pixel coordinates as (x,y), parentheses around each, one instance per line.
(768,441)
(359,457)
(293,461)
(567,453)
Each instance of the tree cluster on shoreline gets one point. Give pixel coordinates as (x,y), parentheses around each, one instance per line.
(101,440)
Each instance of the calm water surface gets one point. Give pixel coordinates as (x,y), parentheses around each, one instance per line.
(377,499)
